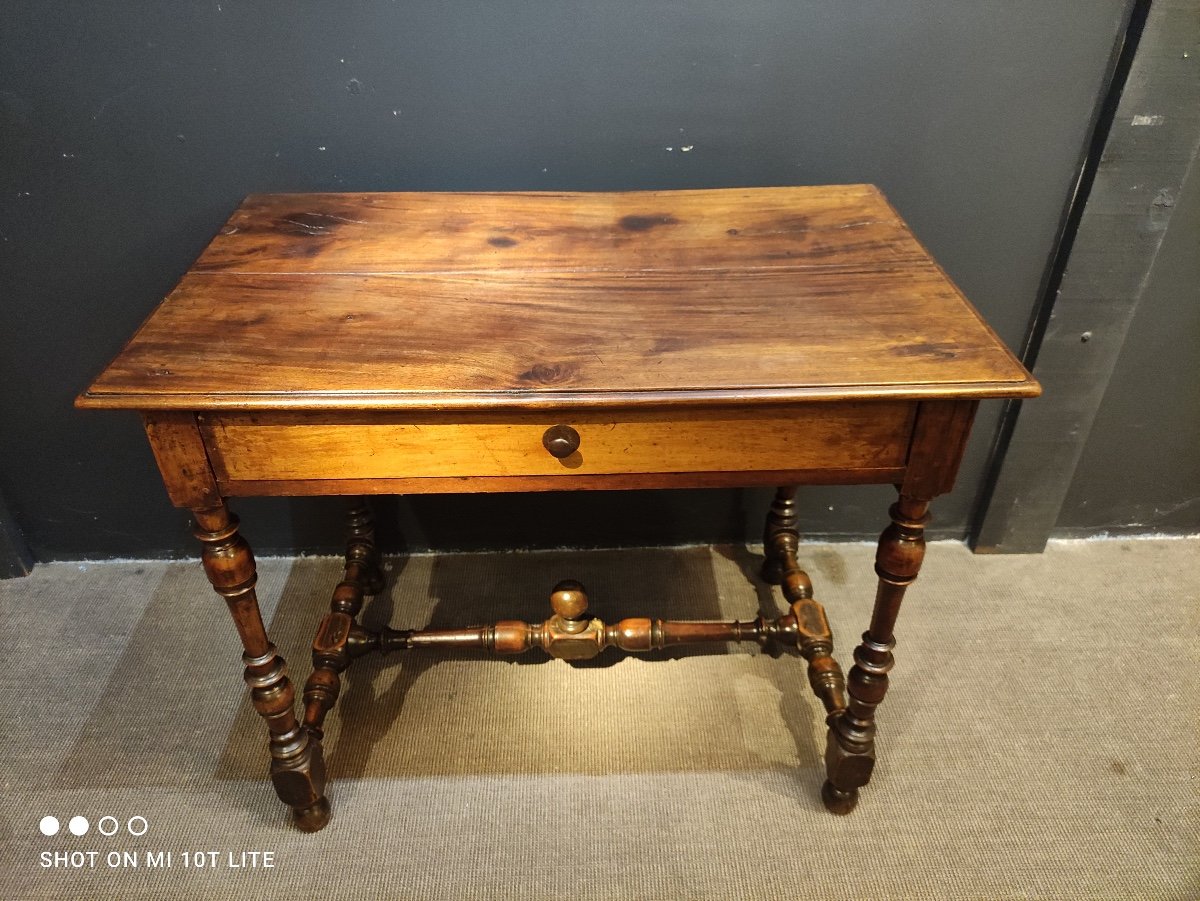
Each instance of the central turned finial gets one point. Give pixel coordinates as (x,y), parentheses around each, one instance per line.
(569,602)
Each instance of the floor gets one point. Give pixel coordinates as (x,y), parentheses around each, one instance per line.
(1039,739)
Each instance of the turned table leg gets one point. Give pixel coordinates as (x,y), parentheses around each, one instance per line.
(339,638)
(362,554)
(781,536)
(850,749)
(297,765)
(781,542)
(336,641)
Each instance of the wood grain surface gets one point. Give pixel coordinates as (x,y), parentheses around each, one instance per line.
(246,447)
(514,301)
(614,232)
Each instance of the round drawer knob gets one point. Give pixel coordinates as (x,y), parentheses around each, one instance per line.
(561,441)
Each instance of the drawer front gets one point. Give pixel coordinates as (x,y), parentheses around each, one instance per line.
(299,446)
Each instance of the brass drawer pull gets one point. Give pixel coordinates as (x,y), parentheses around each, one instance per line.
(561,441)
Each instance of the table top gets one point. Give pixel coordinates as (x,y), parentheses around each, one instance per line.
(527,300)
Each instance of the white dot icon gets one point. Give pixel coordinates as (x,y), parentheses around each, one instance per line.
(78,825)
(48,826)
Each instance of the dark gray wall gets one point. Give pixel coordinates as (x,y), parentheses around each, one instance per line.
(15,558)
(131,130)
(1140,470)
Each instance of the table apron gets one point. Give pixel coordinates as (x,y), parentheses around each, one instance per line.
(329,453)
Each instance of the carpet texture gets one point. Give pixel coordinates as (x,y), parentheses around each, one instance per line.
(1039,739)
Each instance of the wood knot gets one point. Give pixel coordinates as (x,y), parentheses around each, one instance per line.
(549,373)
(646,222)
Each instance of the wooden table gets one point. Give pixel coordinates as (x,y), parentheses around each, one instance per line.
(360,344)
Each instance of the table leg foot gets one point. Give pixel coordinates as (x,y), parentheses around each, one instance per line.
(313,818)
(299,781)
(838,801)
(849,761)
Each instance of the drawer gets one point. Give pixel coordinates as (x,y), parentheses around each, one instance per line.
(251,447)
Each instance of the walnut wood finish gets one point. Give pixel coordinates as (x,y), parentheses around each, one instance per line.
(588,482)
(308,447)
(572,634)
(430,232)
(517,301)
(781,566)
(850,748)
(332,649)
(781,536)
(360,344)
(297,765)
(182,458)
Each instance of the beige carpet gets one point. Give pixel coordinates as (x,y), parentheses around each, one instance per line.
(1039,740)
